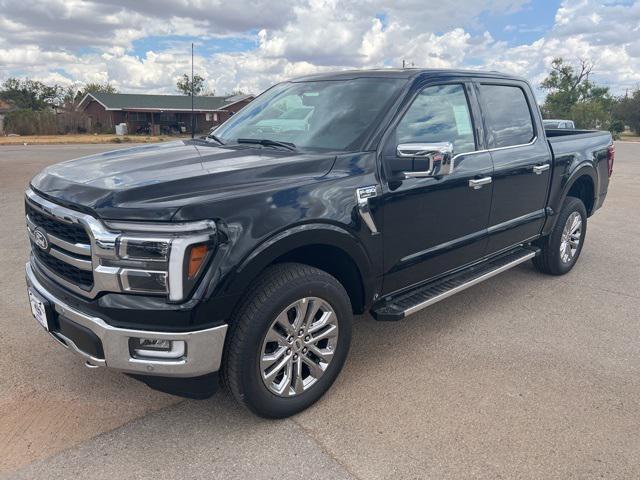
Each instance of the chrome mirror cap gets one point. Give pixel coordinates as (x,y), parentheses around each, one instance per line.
(438,154)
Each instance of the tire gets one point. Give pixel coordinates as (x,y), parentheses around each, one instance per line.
(552,259)
(284,291)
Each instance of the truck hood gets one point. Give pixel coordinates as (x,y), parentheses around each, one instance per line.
(152,182)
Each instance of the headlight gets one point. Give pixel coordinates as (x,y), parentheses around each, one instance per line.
(164,259)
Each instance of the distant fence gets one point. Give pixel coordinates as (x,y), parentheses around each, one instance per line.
(44,122)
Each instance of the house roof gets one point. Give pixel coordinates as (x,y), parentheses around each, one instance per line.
(130,101)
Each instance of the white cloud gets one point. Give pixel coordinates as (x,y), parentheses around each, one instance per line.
(69,41)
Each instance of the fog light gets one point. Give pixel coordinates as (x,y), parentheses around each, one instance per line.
(157,348)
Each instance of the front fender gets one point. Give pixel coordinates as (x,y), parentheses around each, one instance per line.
(224,291)
(296,237)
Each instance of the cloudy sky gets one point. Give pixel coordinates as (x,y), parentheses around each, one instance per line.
(144,45)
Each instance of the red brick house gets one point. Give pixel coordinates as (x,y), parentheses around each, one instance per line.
(159,113)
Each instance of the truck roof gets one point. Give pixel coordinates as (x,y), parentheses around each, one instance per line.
(402,73)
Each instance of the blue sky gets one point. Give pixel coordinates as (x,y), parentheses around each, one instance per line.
(207,47)
(522,26)
(144,46)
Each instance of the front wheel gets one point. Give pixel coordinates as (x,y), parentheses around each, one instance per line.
(562,247)
(289,340)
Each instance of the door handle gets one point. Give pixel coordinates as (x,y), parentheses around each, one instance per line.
(538,169)
(479,182)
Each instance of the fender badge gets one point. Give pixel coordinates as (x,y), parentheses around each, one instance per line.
(367,192)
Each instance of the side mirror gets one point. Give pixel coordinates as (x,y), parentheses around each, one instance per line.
(439,157)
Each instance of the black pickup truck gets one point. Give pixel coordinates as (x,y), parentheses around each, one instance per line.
(247,253)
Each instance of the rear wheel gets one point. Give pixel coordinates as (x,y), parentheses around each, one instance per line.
(289,340)
(562,247)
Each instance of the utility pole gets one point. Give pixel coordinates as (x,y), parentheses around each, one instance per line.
(192,92)
(403,63)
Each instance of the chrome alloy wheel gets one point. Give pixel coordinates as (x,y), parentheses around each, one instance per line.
(298,347)
(571,236)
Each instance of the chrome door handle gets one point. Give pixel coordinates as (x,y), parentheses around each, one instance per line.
(479,182)
(538,169)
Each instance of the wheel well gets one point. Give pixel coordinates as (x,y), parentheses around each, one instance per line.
(335,262)
(583,189)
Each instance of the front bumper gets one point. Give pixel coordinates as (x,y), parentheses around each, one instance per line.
(203,353)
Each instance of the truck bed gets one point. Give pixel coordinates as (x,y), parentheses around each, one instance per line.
(575,147)
(561,133)
(581,142)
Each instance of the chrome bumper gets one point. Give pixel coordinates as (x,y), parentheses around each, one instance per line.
(203,347)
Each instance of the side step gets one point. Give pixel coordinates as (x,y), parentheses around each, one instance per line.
(405,304)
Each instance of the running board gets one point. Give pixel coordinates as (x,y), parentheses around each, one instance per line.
(396,308)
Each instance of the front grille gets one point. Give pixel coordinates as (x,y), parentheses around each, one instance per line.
(82,278)
(66,241)
(71,232)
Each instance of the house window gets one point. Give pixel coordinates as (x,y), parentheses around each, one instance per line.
(137,116)
(208,117)
(215,117)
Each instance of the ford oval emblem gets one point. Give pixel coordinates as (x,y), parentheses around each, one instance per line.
(40,239)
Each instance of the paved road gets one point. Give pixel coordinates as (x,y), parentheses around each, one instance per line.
(522,376)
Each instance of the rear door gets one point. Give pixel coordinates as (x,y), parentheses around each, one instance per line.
(436,224)
(521,161)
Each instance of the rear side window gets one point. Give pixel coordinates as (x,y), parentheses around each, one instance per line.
(439,114)
(507,114)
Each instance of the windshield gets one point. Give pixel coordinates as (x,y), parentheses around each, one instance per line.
(327,114)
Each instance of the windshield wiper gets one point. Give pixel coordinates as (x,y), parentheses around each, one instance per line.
(213,137)
(268,143)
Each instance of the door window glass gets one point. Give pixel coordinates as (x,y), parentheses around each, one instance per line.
(439,114)
(507,115)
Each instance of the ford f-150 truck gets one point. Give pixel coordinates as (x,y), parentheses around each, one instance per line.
(247,253)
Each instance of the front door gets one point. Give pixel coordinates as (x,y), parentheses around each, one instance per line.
(436,224)
(522,164)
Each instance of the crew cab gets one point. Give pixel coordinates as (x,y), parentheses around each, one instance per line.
(245,255)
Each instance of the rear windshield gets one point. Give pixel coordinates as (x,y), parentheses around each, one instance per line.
(327,114)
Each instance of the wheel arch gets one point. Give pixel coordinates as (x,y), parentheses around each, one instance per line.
(327,247)
(582,183)
(584,188)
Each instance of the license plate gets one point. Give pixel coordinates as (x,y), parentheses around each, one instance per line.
(38,309)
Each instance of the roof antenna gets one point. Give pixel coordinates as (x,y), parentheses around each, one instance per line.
(192,92)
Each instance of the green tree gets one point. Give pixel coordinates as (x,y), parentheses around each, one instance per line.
(627,110)
(233,93)
(98,88)
(565,87)
(572,95)
(183,85)
(30,94)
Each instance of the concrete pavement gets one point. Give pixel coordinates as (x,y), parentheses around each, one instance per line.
(522,376)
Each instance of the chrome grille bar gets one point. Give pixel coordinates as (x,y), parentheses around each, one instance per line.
(85,255)
(76,262)
(60,258)
(77,248)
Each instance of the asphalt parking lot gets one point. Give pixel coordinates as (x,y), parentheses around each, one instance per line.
(522,376)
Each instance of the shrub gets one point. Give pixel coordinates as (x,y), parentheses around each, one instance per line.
(30,122)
